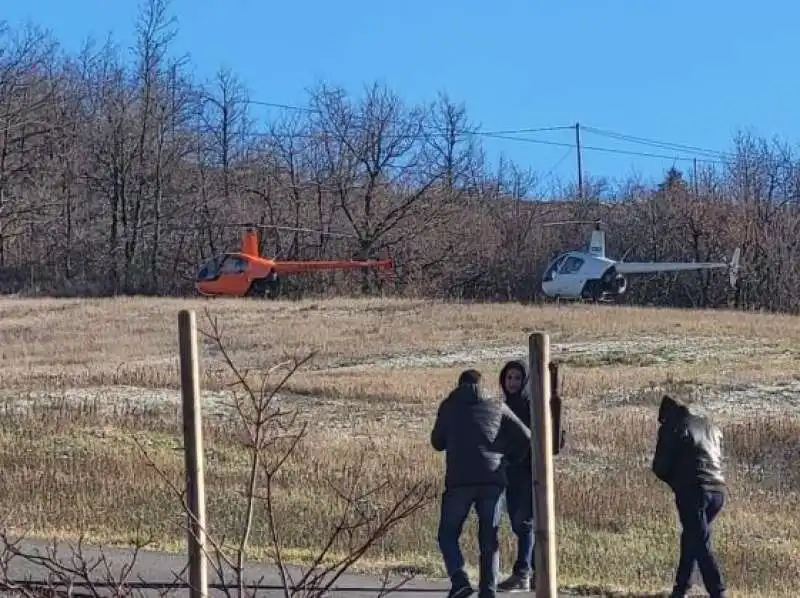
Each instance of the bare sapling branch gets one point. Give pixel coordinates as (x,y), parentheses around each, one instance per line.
(87,568)
(361,524)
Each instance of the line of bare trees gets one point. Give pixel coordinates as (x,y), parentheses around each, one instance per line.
(118,174)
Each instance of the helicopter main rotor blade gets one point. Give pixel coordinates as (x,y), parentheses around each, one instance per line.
(297,229)
(562,222)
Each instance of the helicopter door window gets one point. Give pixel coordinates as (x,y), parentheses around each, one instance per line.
(233,265)
(571,266)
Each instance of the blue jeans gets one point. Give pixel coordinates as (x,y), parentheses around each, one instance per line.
(696,510)
(519,502)
(456,505)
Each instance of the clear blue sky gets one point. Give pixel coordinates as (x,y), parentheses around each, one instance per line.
(682,72)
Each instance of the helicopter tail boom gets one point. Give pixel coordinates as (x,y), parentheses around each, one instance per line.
(295,267)
(655,267)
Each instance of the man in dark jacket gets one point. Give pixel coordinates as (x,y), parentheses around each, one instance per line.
(476,433)
(688,458)
(519,491)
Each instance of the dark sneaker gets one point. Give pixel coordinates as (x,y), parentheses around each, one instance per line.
(515,583)
(460,591)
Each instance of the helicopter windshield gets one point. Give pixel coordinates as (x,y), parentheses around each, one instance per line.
(553,268)
(563,264)
(210,270)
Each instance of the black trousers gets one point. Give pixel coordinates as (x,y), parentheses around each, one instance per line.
(457,502)
(697,509)
(519,503)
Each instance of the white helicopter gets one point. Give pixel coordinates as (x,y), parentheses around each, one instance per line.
(591,275)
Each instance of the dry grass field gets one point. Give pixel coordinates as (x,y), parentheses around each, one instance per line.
(81,379)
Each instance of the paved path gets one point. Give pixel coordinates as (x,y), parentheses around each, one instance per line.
(159,567)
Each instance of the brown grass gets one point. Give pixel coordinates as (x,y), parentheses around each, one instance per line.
(70,466)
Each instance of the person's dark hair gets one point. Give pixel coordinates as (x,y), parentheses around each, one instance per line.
(469,377)
(671,409)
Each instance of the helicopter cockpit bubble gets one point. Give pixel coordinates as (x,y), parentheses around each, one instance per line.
(553,267)
(210,269)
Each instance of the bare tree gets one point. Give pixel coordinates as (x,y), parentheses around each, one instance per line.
(25,96)
(225,121)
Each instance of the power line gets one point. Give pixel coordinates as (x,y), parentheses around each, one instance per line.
(518,131)
(607,149)
(656,143)
(499,132)
(493,135)
(557,164)
(282,106)
(706,155)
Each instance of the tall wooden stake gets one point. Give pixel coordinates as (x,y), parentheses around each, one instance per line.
(193,449)
(542,446)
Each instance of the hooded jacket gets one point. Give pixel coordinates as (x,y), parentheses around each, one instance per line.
(520,403)
(477,433)
(688,452)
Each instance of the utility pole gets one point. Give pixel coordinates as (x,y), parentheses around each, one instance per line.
(694,176)
(580,168)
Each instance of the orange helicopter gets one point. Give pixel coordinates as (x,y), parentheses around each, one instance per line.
(247,274)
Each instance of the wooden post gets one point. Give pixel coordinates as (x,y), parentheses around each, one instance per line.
(193,449)
(542,445)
